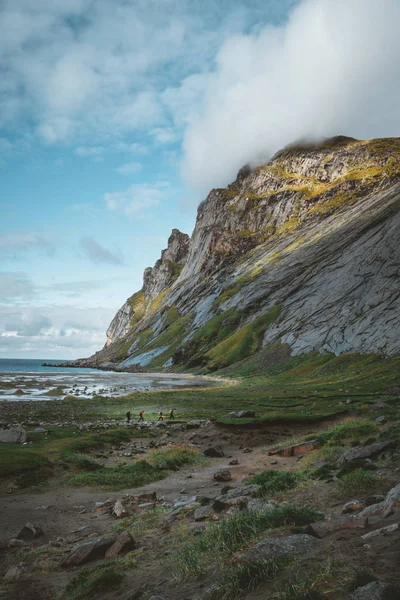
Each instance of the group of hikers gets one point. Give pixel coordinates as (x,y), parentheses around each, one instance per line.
(160,416)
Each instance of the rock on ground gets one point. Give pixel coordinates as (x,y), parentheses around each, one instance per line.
(276,547)
(377,590)
(123,543)
(223,475)
(371,451)
(17,435)
(214,452)
(91,550)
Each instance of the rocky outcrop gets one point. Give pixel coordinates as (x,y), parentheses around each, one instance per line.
(301,252)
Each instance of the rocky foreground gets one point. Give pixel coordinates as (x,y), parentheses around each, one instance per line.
(239,517)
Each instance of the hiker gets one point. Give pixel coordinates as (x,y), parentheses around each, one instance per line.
(141,416)
(171,414)
(161,416)
(128,416)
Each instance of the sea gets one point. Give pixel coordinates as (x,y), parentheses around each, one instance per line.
(26,379)
(34,365)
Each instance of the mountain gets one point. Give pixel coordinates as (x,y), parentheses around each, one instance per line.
(296,256)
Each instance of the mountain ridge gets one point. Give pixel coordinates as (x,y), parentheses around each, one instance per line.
(299,253)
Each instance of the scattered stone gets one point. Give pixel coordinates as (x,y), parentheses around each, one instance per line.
(40,430)
(195,424)
(119,510)
(234,462)
(223,475)
(202,513)
(185,501)
(14,543)
(16,435)
(324,528)
(14,574)
(294,449)
(273,547)
(377,590)
(214,452)
(274,461)
(30,532)
(91,550)
(247,450)
(381,419)
(386,506)
(123,543)
(242,414)
(352,506)
(370,451)
(381,531)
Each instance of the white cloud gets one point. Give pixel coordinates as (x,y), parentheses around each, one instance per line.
(15,286)
(98,254)
(138,198)
(13,244)
(89,151)
(129,168)
(164,135)
(333,68)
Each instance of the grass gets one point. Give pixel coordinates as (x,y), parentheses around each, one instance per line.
(173,456)
(243,343)
(80,461)
(236,581)
(221,540)
(357,482)
(122,476)
(101,579)
(311,587)
(351,429)
(148,522)
(274,482)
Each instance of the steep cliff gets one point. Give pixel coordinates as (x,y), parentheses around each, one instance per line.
(297,255)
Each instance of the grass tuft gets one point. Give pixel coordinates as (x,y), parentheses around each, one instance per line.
(122,476)
(274,482)
(357,482)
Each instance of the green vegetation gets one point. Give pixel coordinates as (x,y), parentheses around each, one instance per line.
(103,578)
(311,587)
(357,482)
(243,343)
(221,540)
(122,476)
(173,456)
(242,579)
(274,482)
(351,429)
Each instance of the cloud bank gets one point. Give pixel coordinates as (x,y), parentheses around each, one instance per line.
(333,68)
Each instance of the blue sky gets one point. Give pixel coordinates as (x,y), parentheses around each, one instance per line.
(117,117)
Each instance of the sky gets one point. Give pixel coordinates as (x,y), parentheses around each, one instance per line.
(118,116)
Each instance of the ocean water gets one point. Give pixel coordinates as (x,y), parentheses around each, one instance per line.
(26,379)
(34,365)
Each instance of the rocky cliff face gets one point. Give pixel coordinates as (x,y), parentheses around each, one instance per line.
(301,253)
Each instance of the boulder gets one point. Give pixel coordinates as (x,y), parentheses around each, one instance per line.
(324,528)
(275,547)
(377,590)
(91,550)
(214,452)
(30,532)
(382,531)
(123,543)
(202,513)
(185,501)
(223,475)
(14,574)
(295,449)
(386,506)
(119,510)
(16,435)
(363,452)
(352,506)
